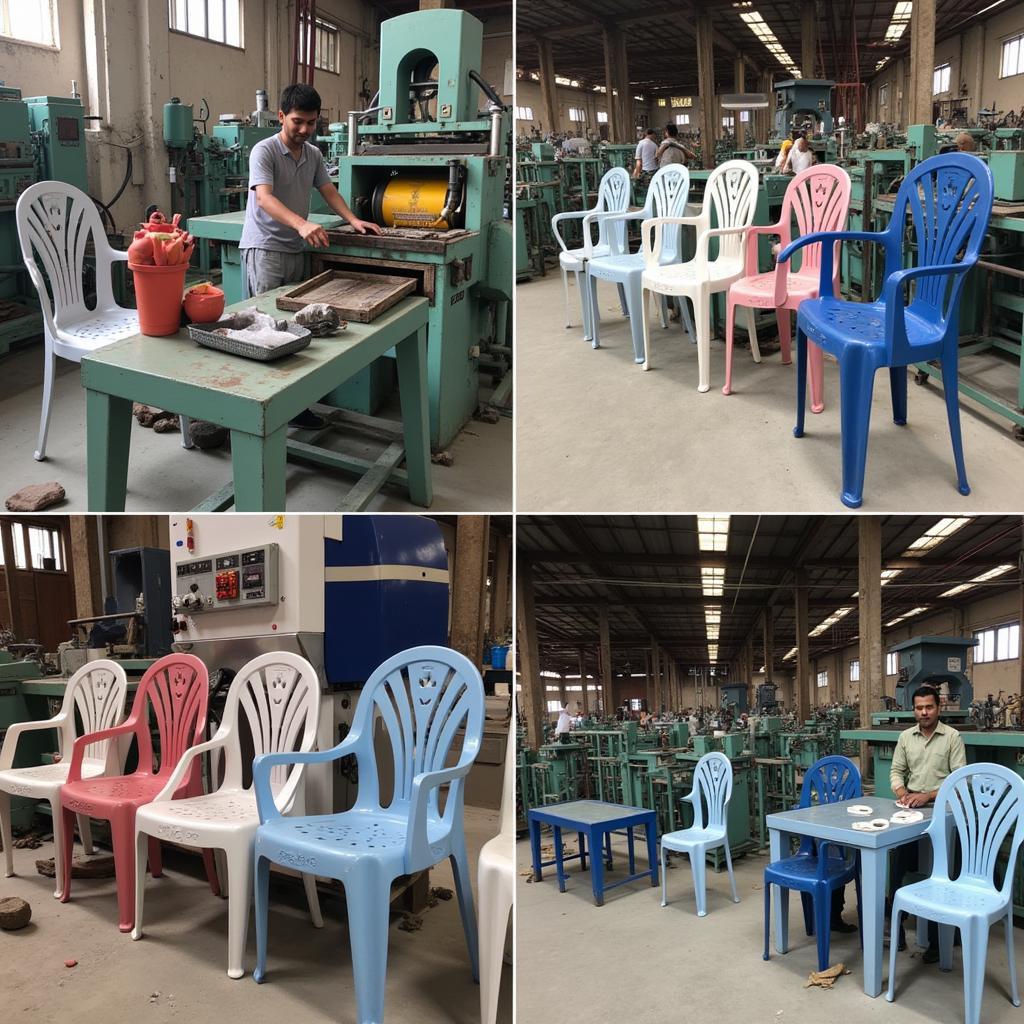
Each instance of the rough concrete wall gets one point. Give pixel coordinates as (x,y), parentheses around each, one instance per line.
(42,71)
(498,67)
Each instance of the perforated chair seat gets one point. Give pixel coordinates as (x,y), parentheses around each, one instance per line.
(689,838)
(574,259)
(950,902)
(834,324)
(682,278)
(40,779)
(97,331)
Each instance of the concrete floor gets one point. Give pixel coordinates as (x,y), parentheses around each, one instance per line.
(183,954)
(162,477)
(633,960)
(597,433)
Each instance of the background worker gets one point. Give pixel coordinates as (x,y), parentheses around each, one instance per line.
(671,150)
(646,156)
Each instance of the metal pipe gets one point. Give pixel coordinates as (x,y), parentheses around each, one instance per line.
(353,126)
(495,132)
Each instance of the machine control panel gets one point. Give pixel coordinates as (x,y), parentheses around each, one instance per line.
(235,579)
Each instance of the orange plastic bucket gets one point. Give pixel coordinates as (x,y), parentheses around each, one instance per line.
(158,292)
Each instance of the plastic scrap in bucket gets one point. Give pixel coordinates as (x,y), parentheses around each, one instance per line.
(158,293)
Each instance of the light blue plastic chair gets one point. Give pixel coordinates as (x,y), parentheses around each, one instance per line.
(666,197)
(950,200)
(712,790)
(818,867)
(987,801)
(423,697)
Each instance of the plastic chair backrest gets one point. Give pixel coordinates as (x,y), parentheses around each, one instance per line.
(613,197)
(507,820)
(987,801)
(55,222)
(178,688)
(829,780)
(98,691)
(666,196)
(950,202)
(818,198)
(731,191)
(279,695)
(712,788)
(423,696)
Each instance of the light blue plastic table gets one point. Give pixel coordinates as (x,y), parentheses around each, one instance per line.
(595,821)
(834,823)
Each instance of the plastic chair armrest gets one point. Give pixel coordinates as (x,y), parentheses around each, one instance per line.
(121,255)
(602,216)
(704,243)
(650,237)
(14,731)
(78,750)
(892,292)
(184,764)
(565,216)
(750,267)
(417,849)
(825,284)
(262,765)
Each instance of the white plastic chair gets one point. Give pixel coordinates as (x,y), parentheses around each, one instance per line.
(279,694)
(730,198)
(612,199)
(712,780)
(97,691)
(56,221)
(496,884)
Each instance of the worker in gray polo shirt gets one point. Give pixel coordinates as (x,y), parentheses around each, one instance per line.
(924,756)
(282,171)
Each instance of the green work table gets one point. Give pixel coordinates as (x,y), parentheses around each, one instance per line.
(255,401)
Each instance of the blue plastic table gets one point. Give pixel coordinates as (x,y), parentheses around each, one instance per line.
(834,822)
(594,821)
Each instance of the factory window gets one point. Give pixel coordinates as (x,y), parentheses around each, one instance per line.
(44,546)
(744,115)
(891,668)
(823,678)
(682,118)
(855,670)
(883,94)
(728,122)
(325,44)
(1001,643)
(554,706)
(636,704)
(1013,57)
(602,117)
(20,555)
(662,102)
(217,20)
(940,79)
(524,113)
(577,114)
(31,21)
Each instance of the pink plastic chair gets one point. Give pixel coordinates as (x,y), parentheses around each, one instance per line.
(819,199)
(177,687)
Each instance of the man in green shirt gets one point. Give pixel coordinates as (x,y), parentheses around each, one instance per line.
(924,756)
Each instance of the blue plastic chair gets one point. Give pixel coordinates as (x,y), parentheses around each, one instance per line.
(950,200)
(819,866)
(987,802)
(712,788)
(423,697)
(666,197)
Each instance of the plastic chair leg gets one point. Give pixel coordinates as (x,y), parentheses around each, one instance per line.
(582,290)
(464,888)
(702,317)
(5,834)
(49,372)
(210,866)
(856,381)
(496,895)
(68,829)
(636,322)
(767,919)
(949,385)
(823,926)
(663,311)
(186,437)
(664,881)
(975,943)
(367,893)
(565,288)
(807,906)
(684,314)
(313,900)
(755,349)
(730,325)
(894,930)
(699,865)
(783,320)
(645,315)
(898,386)
(58,844)
(732,877)
(156,858)
(622,300)
(122,834)
(801,382)
(816,368)
(261,898)
(1008,925)
(593,334)
(945,945)
(141,848)
(85,831)
(239,894)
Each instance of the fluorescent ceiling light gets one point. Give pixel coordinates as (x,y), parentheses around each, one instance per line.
(712,579)
(935,535)
(999,570)
(789,654)
(760,28)
(908,615)
(712,532)
(831,620)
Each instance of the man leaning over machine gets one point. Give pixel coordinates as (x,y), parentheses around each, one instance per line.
(924,756)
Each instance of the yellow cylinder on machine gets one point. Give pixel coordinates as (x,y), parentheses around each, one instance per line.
(413,203)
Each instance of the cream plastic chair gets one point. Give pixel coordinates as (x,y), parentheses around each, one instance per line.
(496,884)
(56,221)
(97,691)
(730,198)
(279,695)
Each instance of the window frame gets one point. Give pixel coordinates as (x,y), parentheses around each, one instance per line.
(172,27)
(942,71)
(602,117)
(1006,629)
(683,120)
(524,113)
(891,658)
(1019,40)
(855,670)
(822,678)
(50,8)
(329,28)
(581,111)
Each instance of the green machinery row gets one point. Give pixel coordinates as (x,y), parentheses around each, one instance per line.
(42,138)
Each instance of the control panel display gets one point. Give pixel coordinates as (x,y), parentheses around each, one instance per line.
(235,579)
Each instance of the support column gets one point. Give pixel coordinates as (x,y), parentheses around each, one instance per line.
(1020,614)
(85,564)
(625,92)
(922,61)
(609,41)
(548,97)
(872,654)
(500,592)
(583,681)
(809,39)
(769,645)
(706,89)
(765,119)
(469,586)
(605,661)
(656,673)
(531,697)
(803,669)
(649,689)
